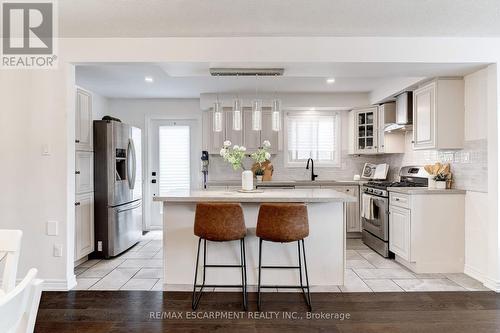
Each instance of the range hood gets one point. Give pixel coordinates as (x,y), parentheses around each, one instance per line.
(404,113)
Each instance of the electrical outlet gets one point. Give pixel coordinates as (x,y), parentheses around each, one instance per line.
(58,250)
(52,228)
(99,246)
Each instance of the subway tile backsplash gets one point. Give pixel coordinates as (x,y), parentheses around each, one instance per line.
(469,165)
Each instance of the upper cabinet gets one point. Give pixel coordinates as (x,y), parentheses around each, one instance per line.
(83,121)
(367,134)
(365,130)
(252,140)
(438,115)
(267,132)
(236,137)
(212,141)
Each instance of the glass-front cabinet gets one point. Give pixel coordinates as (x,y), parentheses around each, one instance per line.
(365,130)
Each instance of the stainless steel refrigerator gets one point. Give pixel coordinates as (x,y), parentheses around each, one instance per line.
(117,186)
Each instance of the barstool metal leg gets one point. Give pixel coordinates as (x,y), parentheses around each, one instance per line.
(260,271)
(308,299)
(197,294)
(196,298)
(243,274)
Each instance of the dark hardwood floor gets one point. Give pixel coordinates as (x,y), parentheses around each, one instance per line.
(147,311)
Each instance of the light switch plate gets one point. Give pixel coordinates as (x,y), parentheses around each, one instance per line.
(58,250)
(52,228)
(45,150)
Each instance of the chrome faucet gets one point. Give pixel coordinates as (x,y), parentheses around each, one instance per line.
(313,176)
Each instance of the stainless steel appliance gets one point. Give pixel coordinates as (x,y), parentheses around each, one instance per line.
(204,167)
(117,187)
(375,207)
(404,113)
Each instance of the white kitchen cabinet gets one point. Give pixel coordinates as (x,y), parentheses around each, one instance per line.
(83,120)
(426,230)
(438,115)
(251,138)
(84,225)
(236,137)
(366,131)
(399,232)
(267,132)
(84,172)
(212,141)
(353,220)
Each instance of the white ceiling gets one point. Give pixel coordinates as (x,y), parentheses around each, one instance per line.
(189,80)
(161,18)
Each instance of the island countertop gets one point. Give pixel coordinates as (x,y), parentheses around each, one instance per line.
(266,195)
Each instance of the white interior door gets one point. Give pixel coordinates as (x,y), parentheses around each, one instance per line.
(172,163)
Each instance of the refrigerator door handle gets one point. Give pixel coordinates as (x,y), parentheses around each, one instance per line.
(132,167)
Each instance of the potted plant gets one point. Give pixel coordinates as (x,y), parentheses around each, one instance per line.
(441,180)
(259,173)
(260,156)
(235,155)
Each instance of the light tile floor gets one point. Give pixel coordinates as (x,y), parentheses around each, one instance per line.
(141,268)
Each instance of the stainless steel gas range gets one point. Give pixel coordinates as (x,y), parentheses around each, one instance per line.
(375,207)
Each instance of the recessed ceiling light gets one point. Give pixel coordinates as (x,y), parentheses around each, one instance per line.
(148,79)
(330,80)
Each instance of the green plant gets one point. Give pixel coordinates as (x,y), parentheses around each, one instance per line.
(259,172)
(262,154)
(441,177)
(233,155)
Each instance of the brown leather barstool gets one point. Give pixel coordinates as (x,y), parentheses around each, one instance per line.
(284,223)
(219,222)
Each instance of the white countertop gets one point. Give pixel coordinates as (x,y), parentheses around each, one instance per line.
(425,190)
(296,183)
(267,195)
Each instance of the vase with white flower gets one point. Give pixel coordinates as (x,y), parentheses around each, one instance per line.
(261,156)
(235,155)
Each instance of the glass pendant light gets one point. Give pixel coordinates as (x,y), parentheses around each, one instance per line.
(237,114)
(276,115)
(257,115)
(217,120)
(256,110)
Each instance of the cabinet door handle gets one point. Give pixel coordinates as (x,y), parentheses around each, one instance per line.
(77,172)
(347,190)
(77,204)
(397,199)
(412,141)
(77,141)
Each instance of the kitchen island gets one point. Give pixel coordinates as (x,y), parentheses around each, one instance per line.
(325,246)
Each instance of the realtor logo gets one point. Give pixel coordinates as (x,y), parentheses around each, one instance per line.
(28,34)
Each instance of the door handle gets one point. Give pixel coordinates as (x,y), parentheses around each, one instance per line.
(77,204)
(77,172)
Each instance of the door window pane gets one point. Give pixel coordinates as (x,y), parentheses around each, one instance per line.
(175,166)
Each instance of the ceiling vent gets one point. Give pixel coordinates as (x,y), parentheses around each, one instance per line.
(246,71)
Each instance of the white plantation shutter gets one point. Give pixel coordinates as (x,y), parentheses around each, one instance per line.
(313,136)
(174,158)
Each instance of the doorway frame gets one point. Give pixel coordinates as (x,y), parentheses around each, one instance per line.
(196,142)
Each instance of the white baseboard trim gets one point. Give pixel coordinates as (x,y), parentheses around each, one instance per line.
(481,277)
(59,284)
(55,284)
